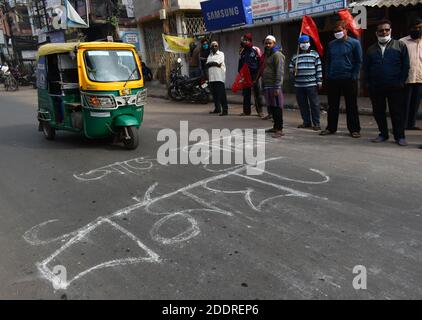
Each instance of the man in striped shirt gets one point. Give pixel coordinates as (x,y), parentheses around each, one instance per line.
(306,69)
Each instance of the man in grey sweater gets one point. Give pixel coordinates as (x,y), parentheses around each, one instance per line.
(272,70)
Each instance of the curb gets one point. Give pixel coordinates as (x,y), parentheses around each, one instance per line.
(324,106)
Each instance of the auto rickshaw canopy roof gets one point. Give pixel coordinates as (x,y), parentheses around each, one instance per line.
(54,48)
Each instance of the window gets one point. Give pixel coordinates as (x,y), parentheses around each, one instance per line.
(111,66)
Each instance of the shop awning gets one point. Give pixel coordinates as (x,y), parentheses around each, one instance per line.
(385,3)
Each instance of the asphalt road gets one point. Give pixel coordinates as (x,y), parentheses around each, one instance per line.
(126,227)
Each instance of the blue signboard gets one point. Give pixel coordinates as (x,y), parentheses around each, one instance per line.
(278,10)
(130,36)
(224,14)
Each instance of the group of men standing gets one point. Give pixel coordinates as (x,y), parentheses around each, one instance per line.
(392,70)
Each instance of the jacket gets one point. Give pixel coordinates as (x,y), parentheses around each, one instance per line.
(390,69)
(344,59)
(250,57)
(414,48)
(272,67)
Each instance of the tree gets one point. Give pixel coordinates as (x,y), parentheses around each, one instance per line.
(112,9)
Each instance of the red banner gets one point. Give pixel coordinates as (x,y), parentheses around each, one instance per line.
(309,27)
(243,79)
(346,16)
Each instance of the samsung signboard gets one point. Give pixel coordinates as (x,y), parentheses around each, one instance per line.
(224,14)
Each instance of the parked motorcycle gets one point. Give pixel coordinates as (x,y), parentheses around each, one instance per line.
(185,88)
(9,81)
(23,79)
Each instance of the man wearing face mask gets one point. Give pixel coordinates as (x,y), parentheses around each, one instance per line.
(414,81)
(217,78)
(250,57)
(344,59)
(203,55)
(386,69)
(272,71)
(306,69)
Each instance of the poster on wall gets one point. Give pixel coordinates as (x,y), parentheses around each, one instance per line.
(274,10)
(130,36)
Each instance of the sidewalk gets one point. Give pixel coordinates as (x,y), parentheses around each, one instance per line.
(158,90)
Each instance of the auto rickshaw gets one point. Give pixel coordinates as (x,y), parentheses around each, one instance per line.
(94,87)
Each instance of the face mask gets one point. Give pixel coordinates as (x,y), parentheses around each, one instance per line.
(268,51)
(205,46)
(415,34)
(305,46)
(385,39)
(339,35)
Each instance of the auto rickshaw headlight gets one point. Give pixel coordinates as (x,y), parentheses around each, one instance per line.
(100,101)
(141,97)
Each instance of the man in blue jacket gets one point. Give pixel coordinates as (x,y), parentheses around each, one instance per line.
(386,70)
(344,59)
(250,57)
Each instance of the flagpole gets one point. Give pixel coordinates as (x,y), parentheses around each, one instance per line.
(297,53)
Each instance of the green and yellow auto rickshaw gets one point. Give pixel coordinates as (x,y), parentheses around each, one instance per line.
(94,87)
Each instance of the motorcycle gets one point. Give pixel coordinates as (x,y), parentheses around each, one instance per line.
(22,78)
(9,81)
(185,88)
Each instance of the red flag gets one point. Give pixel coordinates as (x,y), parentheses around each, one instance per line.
(243,79)
(309,27)
(346,16)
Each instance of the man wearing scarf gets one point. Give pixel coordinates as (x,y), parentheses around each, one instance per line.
(250,57)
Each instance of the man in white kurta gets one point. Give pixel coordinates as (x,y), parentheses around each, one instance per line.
(217,78)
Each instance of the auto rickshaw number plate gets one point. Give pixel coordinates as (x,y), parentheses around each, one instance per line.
(100,114)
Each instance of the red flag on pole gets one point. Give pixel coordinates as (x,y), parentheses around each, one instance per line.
(309,27)
(243,79)
(346,16)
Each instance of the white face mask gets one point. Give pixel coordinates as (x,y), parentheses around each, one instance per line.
(384,40)
(305,46)
(339,35)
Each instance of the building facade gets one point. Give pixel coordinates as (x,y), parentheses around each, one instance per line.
(17,42)
(155,17)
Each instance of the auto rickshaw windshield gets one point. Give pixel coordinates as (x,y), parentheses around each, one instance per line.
(111,66)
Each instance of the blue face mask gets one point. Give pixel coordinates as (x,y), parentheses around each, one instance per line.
(205,46)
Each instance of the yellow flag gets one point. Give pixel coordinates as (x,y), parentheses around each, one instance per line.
(176,44)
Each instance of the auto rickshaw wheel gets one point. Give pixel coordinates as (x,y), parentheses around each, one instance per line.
(133,142)
(49,132)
